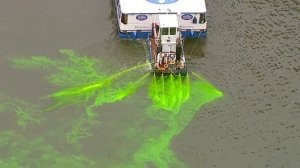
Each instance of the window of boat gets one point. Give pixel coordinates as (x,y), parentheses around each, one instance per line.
(202,18)
(165,31)
(172,30)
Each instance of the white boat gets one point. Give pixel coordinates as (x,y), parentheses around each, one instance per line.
(135,17)
(165,24)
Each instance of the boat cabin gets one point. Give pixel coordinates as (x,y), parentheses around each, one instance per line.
(135,17)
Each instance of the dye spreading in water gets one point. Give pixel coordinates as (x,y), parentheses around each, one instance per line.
(169,92)
(71,70)
(19,152)
(175,100)
(26,113)
(108,90)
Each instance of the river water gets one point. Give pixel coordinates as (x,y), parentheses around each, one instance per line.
(251,55)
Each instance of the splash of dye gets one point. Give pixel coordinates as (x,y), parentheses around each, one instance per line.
(108,90)
(169,92)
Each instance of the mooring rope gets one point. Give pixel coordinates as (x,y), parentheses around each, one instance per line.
(195,44)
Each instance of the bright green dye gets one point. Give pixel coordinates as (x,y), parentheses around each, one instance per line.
(175,101)
(108,94)
(108,90)
(169,92)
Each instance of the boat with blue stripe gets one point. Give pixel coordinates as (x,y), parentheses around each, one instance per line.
(164,24)
(135,17)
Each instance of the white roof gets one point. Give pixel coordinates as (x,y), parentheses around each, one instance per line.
(169,20)
(180,6)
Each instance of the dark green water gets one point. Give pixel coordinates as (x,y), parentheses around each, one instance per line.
(93,104)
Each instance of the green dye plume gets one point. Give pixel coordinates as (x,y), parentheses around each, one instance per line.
(169,92)
(176,100)
(117,92)
(156,150)
(108,90)
(19,152)
(81,77)
(70,71)
(26,113)
(81,128)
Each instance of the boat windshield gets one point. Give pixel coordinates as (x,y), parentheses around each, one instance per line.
(165,31)
(168,31)
(172,30)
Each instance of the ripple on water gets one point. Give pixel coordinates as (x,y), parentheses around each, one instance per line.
(252,53)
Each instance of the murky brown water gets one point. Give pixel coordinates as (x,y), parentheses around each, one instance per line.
(252,54)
